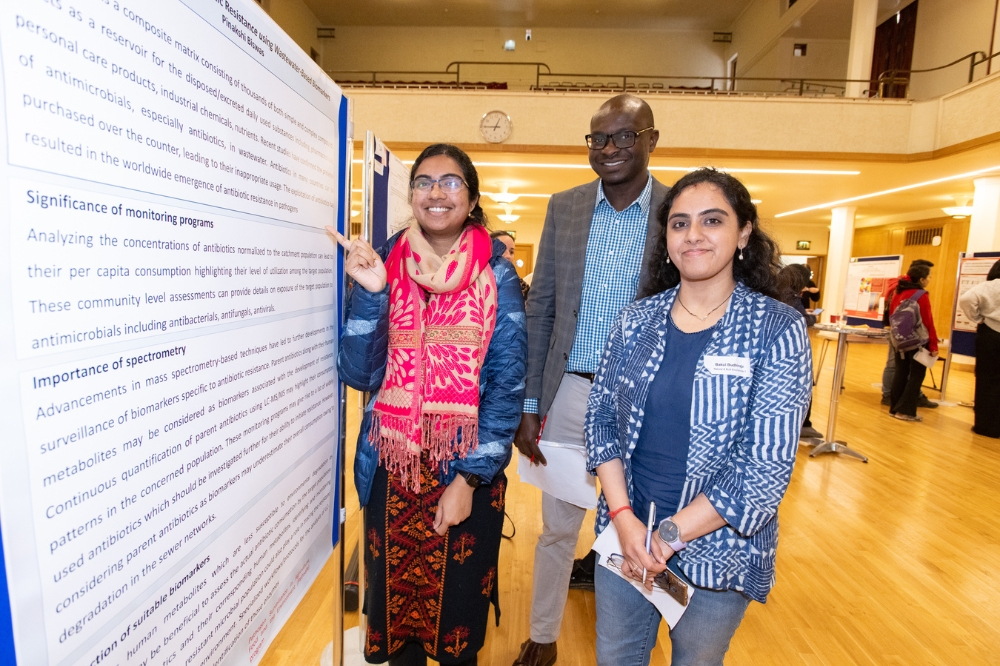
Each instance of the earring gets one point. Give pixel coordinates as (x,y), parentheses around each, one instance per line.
(741,254)
(668,258)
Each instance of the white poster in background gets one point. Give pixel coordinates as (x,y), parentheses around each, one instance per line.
(168,388)
(868,286)
(971,272)
(399,212)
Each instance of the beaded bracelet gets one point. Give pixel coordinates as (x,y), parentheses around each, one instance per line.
(611,516)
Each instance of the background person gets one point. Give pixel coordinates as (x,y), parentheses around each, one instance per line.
(890,362)
(981,304)
(508,242)
(909,374)
(711,441)
(430,458)
(595,242)
(791,283)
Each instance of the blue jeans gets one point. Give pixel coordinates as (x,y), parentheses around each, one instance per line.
(627,623)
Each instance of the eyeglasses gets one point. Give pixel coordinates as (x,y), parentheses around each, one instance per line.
(622,139)
(667,580)
(447,184)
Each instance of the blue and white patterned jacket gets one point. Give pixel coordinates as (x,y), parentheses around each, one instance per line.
(744,431)
(361,361)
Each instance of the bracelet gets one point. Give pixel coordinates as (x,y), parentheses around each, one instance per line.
(611,516)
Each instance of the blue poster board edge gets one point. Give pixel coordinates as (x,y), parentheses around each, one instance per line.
(7,653)
(342,124)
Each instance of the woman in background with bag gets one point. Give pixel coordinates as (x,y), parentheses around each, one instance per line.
(909,371)
(981,304)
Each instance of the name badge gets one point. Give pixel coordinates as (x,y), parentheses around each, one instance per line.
(729,365)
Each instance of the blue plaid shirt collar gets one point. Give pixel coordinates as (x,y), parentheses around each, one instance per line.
(644,197)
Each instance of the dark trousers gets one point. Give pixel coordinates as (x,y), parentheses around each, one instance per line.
(413,655)
(906,384)
(987,382)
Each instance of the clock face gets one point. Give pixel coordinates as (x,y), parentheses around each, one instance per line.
(496,126)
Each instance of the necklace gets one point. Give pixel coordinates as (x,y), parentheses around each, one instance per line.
(705,318)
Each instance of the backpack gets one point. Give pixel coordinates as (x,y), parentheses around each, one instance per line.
(906,328)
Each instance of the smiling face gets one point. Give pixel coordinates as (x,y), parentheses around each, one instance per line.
(440,214)
(616,165)
(703,234)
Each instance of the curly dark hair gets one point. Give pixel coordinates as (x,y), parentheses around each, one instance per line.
(759,267)
(469,175)
(994,273)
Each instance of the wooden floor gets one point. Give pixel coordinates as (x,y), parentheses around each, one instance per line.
(892,562)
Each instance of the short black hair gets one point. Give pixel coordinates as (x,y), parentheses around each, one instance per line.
(759,267)
(921,262)
(994,273)
(919,272)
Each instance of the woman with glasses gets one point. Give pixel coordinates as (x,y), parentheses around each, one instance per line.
(696,408)
(435,330)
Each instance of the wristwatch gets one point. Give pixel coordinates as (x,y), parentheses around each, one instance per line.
(471,479)
(670,534)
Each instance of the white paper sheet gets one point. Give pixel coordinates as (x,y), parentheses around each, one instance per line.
(607,543)
(564,477)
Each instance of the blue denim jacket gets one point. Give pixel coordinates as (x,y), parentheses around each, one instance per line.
(361,362)
(744,429)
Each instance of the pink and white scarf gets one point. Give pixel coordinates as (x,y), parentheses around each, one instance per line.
(442,312)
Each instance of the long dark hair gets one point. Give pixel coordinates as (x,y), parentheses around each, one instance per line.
(469,174)
(759,266)
(792,279)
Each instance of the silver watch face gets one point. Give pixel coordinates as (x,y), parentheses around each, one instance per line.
(668,531)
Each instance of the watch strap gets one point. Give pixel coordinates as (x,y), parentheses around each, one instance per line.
(471,479)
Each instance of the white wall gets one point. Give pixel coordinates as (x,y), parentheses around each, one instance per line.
(297,20)
(946,31)
(757,29)
(566,50)
(824,59)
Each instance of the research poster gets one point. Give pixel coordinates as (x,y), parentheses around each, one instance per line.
(971,271)
(870,281)
(168,318)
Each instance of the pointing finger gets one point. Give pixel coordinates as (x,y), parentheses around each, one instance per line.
(344,243)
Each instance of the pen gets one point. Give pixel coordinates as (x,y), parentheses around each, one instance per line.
(541,428)
(649,534)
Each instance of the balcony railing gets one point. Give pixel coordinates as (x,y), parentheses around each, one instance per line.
(538,76)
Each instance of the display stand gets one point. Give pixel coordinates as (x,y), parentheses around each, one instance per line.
(830,444)
(972,269)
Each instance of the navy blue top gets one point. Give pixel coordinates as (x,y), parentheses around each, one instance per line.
(659,462)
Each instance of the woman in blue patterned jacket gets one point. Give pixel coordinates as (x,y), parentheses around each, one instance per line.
(436,329)
(696,407)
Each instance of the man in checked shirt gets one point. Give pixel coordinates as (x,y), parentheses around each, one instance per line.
(591,262)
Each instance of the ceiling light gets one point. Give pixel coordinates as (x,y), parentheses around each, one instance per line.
(756,202)
(507,217)
(958,212)
(503,196)
(355,213)
(832,204)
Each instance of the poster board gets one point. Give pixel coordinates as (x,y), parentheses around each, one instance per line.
(169,330)
(972,269)
(870,283)
(390,191)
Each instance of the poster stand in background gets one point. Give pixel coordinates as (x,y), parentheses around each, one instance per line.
(387,193)
(870,282)
(385,211)
(972,269)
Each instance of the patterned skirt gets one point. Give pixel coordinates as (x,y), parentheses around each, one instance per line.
(424,588)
